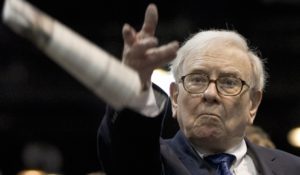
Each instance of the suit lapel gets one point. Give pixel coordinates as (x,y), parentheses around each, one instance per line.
(188,156)
(264,160)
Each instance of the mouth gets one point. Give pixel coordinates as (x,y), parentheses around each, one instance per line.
(208,120)
(209,115)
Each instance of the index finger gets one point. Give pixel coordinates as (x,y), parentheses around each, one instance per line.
(150,20)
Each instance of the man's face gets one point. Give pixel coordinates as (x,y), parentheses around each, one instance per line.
(212,121)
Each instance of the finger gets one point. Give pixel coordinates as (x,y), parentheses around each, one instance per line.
(163,54)
(129,34)
(150,20)
(143,45)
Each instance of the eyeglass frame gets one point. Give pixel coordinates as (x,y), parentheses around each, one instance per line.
(182,78)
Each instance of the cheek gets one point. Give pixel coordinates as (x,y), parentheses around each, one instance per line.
(236,110)
(238,113)
(187,104)
(187,110)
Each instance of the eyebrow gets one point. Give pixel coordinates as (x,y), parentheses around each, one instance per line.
(198,71)
(223,73)
(230,74)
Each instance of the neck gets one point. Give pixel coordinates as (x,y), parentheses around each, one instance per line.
(214,147)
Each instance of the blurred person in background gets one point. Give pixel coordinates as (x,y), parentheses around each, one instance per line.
(258,136)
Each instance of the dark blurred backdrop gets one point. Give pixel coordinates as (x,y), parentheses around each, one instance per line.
(42,104)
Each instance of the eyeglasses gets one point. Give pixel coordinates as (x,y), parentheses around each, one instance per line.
(196,83)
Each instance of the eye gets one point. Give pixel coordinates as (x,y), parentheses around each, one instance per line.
(229,82)
(197,79)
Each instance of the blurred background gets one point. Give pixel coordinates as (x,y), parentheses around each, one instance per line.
(49,120)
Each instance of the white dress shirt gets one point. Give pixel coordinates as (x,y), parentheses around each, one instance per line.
(243,165)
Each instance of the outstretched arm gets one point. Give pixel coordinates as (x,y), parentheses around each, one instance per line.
(128,142)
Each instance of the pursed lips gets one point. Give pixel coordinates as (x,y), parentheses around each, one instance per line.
(209,114)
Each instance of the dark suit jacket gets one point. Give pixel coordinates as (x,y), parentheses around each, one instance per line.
(129,143)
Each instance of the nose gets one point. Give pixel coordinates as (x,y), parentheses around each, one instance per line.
(211,93)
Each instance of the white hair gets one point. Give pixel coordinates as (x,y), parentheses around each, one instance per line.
(207,40)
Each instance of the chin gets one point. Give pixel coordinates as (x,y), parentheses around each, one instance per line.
(209,144)
(208,133)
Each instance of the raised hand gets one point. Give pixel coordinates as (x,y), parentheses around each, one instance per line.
(141,50)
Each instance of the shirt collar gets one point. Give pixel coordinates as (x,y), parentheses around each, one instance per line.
(239,151)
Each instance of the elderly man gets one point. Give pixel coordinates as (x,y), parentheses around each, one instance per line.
(218,89)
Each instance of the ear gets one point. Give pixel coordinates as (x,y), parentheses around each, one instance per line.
(174,95)
(255,98)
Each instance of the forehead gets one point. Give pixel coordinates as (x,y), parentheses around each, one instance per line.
(218,60)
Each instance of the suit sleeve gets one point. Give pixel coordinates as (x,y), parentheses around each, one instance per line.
(128,142)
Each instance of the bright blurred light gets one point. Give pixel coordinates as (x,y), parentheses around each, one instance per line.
(35,172)
(31,172)
(163,79)
(294,137)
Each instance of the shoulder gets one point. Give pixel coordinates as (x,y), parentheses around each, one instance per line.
(274,160)
(275,152)
(282,154)
(269,151)
(275,157)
